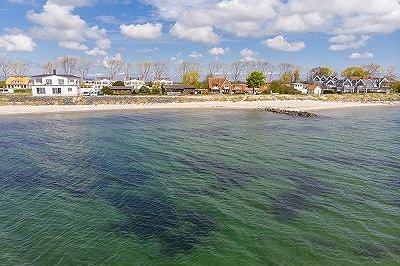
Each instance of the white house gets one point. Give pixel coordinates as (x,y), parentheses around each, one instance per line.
(134,83)
(101,82)
(55,85)
(300,87)
(314,89)
(163,81)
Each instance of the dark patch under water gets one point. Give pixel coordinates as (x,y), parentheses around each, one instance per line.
(152,217)
(288,205)
(370,250)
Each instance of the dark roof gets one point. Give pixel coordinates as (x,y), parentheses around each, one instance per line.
(179,86)
(48,75)
(120,88)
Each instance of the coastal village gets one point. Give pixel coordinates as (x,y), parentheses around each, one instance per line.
(53,83)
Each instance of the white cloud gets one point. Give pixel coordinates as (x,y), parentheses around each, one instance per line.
(361,56)
(345,42)
(195,55)
(147,50)
(71,3)
(248,54)
(216,51)
(204,34)
(107,19)
(281,44)
(73,45)
(16,43)
(142,31)
(57,22)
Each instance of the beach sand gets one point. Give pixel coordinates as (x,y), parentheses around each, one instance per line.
(294,105)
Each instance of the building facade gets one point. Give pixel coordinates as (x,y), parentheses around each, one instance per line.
(17,83)
(55,85)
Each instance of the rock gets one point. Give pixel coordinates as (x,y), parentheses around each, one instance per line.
(290,112)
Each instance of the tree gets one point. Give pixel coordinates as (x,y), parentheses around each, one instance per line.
(114,66)
(390,73)
(321,71)
(69,64)
(256,79)
(264,67)
(373,70)
(48,67)
(5,68)
(286,72)
(215,67)
(144,69)
(19,69)
(354,72)
(395,86)
(106,91)
(187,66)
(278,87)
(160,70)
(118,83)
(296,75)
(127,69)
(83,67)
(191,78)
(237,69)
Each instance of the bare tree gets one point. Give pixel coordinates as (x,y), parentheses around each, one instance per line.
(187,66)
(286,71)
(20,69)
(5,67)
(127,69)
(143,69)
(69,64)
(160,70)
(48,67)
(114,66)
(265,67)
(215,67)
(373,70)
(83,67)
(390,73)
(237,69)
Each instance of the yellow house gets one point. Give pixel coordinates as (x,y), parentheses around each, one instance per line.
(16,83)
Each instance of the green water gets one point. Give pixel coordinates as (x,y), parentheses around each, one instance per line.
(216,187)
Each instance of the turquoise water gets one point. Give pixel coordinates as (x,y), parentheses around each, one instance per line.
(201,187)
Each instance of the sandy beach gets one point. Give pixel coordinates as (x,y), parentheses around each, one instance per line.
(294,105)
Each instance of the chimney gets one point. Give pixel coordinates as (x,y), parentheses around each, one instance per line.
(54,72)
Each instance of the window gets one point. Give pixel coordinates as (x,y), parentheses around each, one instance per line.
(56,90)
(69,89)
(60,82)
(71,81)
(38,81)
(41,90)
(48,82)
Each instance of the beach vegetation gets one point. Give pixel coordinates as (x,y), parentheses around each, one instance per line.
(106,91)
(256,79)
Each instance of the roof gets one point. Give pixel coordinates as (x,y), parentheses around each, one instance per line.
(179,86)
(313,87)
(58,75)
(19,80)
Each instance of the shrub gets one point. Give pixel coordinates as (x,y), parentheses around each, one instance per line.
(144,90)
(106,91)
(118,83)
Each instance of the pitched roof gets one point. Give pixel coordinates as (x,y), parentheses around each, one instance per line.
(17,80)
(58,75)
(179,86)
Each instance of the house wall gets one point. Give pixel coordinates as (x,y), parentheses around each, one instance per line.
(43,86)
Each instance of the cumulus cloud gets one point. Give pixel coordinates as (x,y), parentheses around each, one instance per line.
(281,44)
(195,55)
(216,51)
(272,17)
(16,43)
(248,54)
(345,42)
(361,56)
(203,34)
(147,31)
(57,22)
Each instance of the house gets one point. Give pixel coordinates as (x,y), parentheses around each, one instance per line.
(345,86)
(163,81)
(300,87)
(121,90)
(134,83)
(372,85)
(17,83)
(55,85)
(219,85)
(240,88)
(179,89)
(314,89)
(101,82)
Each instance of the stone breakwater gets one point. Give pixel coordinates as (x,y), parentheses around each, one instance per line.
(290,112)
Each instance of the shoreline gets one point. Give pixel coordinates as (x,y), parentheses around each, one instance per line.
(292,105)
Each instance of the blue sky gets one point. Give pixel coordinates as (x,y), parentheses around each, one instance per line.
(307,33)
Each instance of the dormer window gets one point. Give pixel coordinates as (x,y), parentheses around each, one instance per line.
(49,82)
(60,82)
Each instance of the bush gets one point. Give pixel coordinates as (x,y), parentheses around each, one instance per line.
(119,83)
(156,90)
(395,86)
(144,90)
(22,91)
(106,91)
(278,87)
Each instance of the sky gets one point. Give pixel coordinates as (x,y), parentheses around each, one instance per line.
(335,33)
